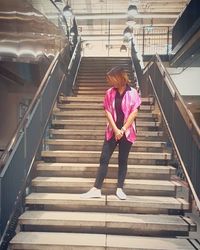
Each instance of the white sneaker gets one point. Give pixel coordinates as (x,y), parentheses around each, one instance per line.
(120,194)
(92,193)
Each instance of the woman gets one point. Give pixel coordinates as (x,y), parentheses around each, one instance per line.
(121,104)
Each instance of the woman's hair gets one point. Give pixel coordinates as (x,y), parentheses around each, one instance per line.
(118,75)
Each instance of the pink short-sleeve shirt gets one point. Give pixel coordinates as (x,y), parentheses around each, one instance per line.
(130,102)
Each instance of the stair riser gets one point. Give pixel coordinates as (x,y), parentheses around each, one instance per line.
(92,174)
(91,93)
(95,160)
(147,100)
(98,115)
(92,87)
(95,118)
(97,132)
(96,155)
(93,82)
(107,190)
(99,147)
(81,106)
(96,127)
(74,206)
(99,137)
(110,228)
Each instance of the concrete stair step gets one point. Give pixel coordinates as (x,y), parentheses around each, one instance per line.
(94,106)
(92,84)
(89,73)
(80,81)
(101,123)
(101,132)
(96,115)
(89,170)
(131,186)
(109,203)
(109,223)
(80,145)
(95,99)
(83,87)
(93,156)
(97,134)
(77,241)
(89,92)
(102,66)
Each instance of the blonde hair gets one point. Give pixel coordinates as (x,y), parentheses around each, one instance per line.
(118,75)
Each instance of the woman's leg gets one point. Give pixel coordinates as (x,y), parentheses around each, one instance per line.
(124,149)
(107,151)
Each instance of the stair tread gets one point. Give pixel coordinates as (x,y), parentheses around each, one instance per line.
(44,240)
(148,168)
(67,180)
(112,200)
(63,218)
(86,154)
(100,132)
(92,106)
(75,98)
(83,143)
(92,113)
(101,122)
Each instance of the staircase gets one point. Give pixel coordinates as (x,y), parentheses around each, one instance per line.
(152,217)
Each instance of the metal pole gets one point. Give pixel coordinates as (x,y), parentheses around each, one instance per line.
(109,37)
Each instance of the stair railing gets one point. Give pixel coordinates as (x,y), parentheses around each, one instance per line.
(136,66)
(182,128)
(17,162)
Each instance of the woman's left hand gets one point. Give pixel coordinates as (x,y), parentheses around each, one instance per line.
(118,134)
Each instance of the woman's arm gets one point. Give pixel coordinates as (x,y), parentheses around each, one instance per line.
(118,133)
(130,120)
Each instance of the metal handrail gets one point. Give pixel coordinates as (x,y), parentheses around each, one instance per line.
(6,236)
(74,54)
(25,118)
(174,91)
(63,17)
(176,94)
(172,86)
(177,152)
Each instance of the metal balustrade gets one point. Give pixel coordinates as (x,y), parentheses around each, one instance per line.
(182,128)
(17,162)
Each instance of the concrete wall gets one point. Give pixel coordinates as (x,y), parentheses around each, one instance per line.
(187,81)
(9,109)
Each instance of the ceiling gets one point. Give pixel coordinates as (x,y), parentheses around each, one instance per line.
(97,19)
(93,16)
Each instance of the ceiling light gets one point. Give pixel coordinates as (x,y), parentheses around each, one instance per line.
(132,10)
(123,48)
(67,10)
(128,30)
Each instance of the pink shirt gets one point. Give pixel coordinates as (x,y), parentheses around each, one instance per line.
(130,102)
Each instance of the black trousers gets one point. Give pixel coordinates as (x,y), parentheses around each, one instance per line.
(107,151)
